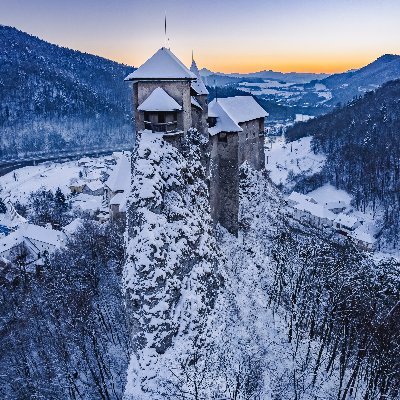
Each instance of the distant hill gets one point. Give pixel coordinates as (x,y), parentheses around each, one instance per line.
(53,97)
(362,144)
(293,77)
(344,87)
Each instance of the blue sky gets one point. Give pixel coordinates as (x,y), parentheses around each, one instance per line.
(226,35)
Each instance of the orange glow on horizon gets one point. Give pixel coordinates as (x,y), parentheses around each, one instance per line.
(248,64)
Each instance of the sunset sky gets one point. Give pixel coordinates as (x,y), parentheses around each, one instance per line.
(226,35)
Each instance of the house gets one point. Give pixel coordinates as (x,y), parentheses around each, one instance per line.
(94,188)
(31,242)
(345,224)
(336,206)
(296,198)
(116,188)
(76,185)
(312,213)
(363,239)
(162,96)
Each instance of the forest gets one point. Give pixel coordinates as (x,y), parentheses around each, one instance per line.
(362,143)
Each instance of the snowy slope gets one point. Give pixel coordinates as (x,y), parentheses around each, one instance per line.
(289,161)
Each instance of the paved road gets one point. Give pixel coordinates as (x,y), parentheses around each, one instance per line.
(9,164)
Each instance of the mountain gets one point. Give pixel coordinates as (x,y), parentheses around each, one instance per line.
(293,77)
(362,144)
(53,97)
(344,87)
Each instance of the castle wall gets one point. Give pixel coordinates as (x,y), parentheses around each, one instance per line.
(226,158)
(251,143)
(224,181)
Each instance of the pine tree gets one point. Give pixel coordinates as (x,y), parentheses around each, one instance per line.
(3,207)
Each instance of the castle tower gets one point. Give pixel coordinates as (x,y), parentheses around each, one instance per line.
(236,128)
(199,94)
(162,99)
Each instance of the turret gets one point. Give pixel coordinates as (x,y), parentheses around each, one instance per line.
(162,95)
(199,94)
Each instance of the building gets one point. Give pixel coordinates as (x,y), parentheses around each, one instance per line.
(236,129)
(169,98)
(305,209)
(31,243)
(346,224)
(116,188)
(162,96)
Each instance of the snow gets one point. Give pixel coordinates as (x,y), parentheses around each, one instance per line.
(231,111)
(195,103)
(41,234)
(328,194)
(295,158)
(94,185)
(198,85)
(302,117)
(224,122)
(296,198)
(87,202)
(346,220)
(162,65)
(32,178)
(159,100)
(120,177)
(72,227)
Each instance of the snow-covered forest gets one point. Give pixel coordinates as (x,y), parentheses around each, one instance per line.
(55,98)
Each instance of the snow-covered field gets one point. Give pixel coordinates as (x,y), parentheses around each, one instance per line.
(17,185)
(294,158)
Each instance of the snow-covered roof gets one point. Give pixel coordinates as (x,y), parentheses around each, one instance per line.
(363,236)
(72,226)
(195,103)
(224,121)
(159,100)
(94,185)
(45,235)
(120,177)
(317,210)
(10,241)
(162,65)
(297,197)
(198,85)
(120,200)
(346,220)
(237,109)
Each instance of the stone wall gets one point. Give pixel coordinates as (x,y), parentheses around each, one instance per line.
(228,152)
(251,144)
(178,90)
(224,180)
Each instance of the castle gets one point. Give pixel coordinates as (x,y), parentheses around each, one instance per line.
(169,98)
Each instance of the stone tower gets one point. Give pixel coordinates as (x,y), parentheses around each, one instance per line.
(162,96)
(236,129)
(199,101)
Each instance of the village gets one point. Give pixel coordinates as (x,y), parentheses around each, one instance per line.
(96,188)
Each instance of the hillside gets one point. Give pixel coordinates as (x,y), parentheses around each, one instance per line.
(53,97)
(362,144)
(346,86)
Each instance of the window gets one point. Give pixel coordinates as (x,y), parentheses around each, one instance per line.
(146,116)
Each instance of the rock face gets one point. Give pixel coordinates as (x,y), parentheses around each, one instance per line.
(170,276)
